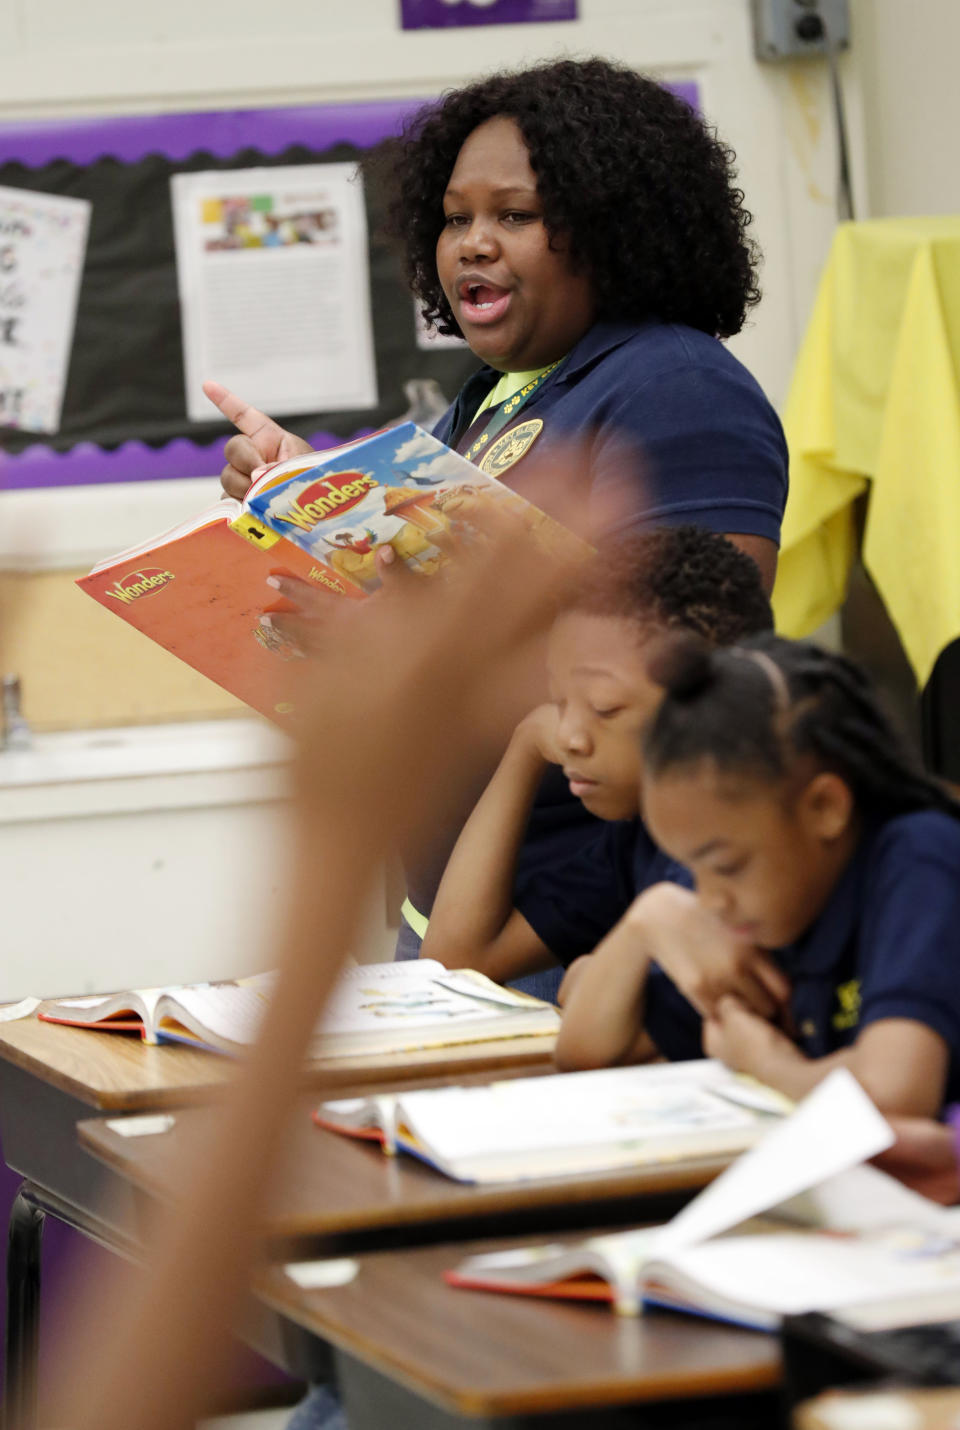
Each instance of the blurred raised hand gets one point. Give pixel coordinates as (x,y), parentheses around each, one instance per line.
(405,688)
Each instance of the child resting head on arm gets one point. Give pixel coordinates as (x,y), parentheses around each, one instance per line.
(771,772)
(513,898)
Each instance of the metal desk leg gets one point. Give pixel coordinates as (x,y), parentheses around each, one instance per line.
(24,1242)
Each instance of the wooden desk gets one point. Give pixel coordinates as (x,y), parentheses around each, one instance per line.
(408,1351)
(51,1076)
(330,1186)
(347,1196)
(114,1071)
(414,1352)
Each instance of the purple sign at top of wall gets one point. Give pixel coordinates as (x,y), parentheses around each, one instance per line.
(443,14)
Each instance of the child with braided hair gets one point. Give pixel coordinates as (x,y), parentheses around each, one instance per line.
(773,775)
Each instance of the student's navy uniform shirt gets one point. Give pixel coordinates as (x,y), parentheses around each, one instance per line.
(887,944)
(668,409)
(572,903)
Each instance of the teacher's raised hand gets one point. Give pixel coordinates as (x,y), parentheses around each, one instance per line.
(259,440)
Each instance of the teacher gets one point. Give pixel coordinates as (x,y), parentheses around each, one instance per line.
(580,226)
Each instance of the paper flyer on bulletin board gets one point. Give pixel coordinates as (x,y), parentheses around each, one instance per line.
(273,278)
(43,240)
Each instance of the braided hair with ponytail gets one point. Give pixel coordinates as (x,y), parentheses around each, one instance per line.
(759,707)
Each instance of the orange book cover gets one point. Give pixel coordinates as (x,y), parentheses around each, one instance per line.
(201,593)
(200,590)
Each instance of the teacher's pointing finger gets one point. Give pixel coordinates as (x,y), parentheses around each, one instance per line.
(260,439)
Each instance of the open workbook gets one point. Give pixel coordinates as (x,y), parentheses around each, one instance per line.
(837,1234)
(200,590)
(566,1123)
(375,1008)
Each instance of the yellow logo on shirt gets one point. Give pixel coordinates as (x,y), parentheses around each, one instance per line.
(848,1005)
(510,447)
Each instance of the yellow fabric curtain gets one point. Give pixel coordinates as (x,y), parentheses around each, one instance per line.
(875,404)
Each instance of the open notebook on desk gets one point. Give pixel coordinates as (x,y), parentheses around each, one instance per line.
(377,1008)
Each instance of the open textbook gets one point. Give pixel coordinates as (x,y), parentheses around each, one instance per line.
(566,1123)
(842,1233)
(375,1008)
(200,590)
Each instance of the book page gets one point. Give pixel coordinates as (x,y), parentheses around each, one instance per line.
(620,1106)
(231,1011)
(225,509)
(415,994)
(478,986)
(793,1272)
(95,1000)
(834,1128)
(272,270)
(866,1199)
(141,1002)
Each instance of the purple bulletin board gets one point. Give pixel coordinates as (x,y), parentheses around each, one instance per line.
(453,14)
(221,134)
(129,139)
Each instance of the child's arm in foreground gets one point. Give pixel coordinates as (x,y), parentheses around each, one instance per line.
(900,1063)
(604,1003)
(924,1157)
(474,923)
(159,1339)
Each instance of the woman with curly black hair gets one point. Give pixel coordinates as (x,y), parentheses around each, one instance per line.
(580,227)
(635,187)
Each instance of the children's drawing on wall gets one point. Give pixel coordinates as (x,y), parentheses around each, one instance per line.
(274,287)
(43,240)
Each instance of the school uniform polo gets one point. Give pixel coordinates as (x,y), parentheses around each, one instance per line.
(573,902)
(662,405)
(887,944)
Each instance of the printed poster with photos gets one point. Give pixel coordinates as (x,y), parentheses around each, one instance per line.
(43,241)
(273,279)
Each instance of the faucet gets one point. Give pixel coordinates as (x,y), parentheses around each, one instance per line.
(16,733)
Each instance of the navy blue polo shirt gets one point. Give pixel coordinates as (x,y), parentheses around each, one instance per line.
(673,410)
(572,903)
(664,404)
(887,945)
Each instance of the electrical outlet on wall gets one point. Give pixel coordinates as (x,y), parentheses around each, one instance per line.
(795,29)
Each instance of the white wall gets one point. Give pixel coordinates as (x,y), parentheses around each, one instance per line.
(907,55)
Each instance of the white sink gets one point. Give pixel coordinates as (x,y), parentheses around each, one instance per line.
(143,750)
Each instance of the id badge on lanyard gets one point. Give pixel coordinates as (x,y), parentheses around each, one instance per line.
(480,450)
